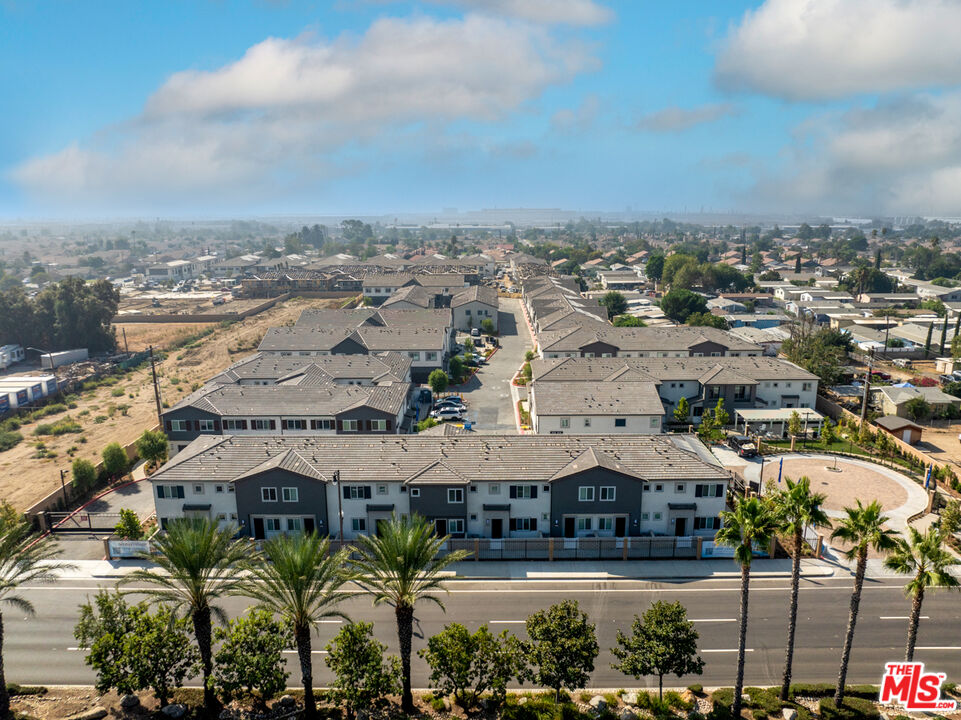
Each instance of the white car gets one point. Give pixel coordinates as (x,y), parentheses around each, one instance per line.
(447,413)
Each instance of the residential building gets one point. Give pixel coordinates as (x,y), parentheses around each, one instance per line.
(893,400)
(483,486)
(593,408)
(472,305)
(602,341)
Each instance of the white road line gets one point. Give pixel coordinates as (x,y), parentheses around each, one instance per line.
(507,622)
(726,650)
(938,647)
(73,648)
(901,617)
(714,620)
(329,622)
(312,652)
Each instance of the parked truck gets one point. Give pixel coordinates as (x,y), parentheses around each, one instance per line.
(48,361)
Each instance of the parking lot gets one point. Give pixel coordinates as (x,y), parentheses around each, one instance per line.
(487,393)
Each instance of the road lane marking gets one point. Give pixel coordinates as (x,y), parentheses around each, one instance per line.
(507,622)
(938,647)
(312,652)
(902,617)
(329,622)
(726,650)
(714,620)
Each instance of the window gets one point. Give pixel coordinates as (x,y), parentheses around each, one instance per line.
(806,387)
(524,524)
(290,494)
(171,492)
(707,523)
(647,487)
(585,494)
(268,494)
(272,524)
(740,392)
(658,487)
(655,421)
(381,489)
(455,526)
(713,392)
(378,425)
(235,424)
(523,492)
(356,492)
(657,516)
(494,489)
(294,424)
(585,523)
(565,422)
(709,490)
(645,516)
(325,424)
(430,356)
(180,425)
(415,492)
(358,524)
(679,488)
(221,517)
(295,524)
(349,426)
(608,493)
(206,425)
(455,495)
(467,311)
(698,411)
(605,523)
(587,422)
(198,489)
(414,355)
(218,488)
(257,424)
(620,422)
(230,488)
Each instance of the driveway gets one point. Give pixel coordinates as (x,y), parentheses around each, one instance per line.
(136,496)
(488,393)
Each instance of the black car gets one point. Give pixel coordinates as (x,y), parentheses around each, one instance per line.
(742,445)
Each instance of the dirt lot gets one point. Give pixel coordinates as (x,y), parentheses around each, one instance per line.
(178,303)
(26,478)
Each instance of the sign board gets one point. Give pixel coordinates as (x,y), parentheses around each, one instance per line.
(128,548)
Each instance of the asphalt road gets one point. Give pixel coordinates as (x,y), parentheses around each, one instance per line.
(42,649)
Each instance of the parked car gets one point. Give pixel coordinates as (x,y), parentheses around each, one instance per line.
(742,445)
(456,398)
(945,379)
(456,404)
(447,413)
(426,395)
(512,289)
(475,332)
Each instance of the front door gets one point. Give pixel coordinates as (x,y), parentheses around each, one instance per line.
(497,528)
(258,528)
(620,526)
(440,527)
(680,526)
(308,525)
(569,527)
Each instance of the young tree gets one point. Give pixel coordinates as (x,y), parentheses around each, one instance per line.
(926,557)
(249,661)
(663,642)
(951,518)
(438,381)
(468,665)
(654,268)
(615,303)
(115,460)
(128,527)
(362,677)
(794,424)
(628,321)
(487,325)
(828,433)
(750,523)
(683,410)
(862,528)
(300,580)
(84,474)
(152,447)
(561,648)
(918,408)
(400,566)
(456,367)
(22,561)
(198,564)
(797,508)
(927,342)
(680,303)
(720,415)
(707,319)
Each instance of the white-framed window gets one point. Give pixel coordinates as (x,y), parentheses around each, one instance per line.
(523,492)
(647,487)
(414,355)
(221,517)
(430,356)
(356,492)
(655,421)
(358,524)
(608,493)
(707,523)
(272,524)
(180,425)
(680,488)
(605,523)
(565,422)
(455,495)
(658,487)
(218,488)
(378,425)
(235,424)
(290,494)
(198,489)
(806,387)
(620,422)
(206,425)
(455,526)
(295,524)
(708,491)
(350,426)
(494,489)
(381,489)
(585,493)
(415,492)
(268,494)
(585,523)
(523,524)
(170,492)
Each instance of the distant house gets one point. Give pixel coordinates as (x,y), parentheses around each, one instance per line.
(893,400)
(901,428)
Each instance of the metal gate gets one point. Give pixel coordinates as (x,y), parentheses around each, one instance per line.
(82,521)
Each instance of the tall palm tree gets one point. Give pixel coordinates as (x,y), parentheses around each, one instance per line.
(797,509)
(22,560)
(926,558)
(398,567)
(862,528)
(199,563)
(301,581)
(751,522)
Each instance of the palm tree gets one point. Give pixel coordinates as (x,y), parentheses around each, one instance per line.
(22,560)
(862,528)
(797,508)
(301,581)
(199,563)
(750,522)
(926,557)
(398,567)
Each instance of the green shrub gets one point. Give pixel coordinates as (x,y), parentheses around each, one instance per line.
(118,392)
(819,690)
(9,439)
(100,419)
(853,708)
(61,427)
(15,689)
(696,688)
(674,700)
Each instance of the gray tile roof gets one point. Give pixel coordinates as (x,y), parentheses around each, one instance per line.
(475,293)
(659,339)
(280,368)
(413,294)
(593,398)
(478,458)
(719,370)
(294,400)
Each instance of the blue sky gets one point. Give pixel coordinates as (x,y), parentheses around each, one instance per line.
(369,106)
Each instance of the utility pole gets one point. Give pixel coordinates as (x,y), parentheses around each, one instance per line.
(126,348)
(156,389)
(867,388)
(63,488)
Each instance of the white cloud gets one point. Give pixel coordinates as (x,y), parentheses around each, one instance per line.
(678,119)
(547,12)
(822,49)
(296,110)
(901,156)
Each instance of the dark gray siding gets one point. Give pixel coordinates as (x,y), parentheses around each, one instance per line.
(312,499)
(598,348)
(192,415)
(348,346)
(364,415)
(564,493)
(433,504)
(707,348)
